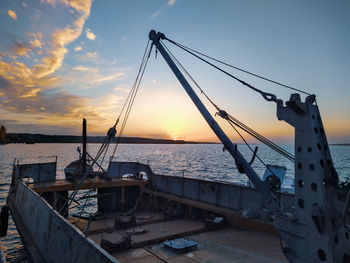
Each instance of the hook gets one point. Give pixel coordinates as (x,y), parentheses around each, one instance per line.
(254,155)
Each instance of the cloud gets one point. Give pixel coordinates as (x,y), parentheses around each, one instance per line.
(82,6)
(78,48)
(12,14)
(38,99)
(171,2)
(156,13)
(93,78)
(23,46)
(85,77)
(21,49)
(121,89)
(89,56)
(62,37)
(89,34)
(159,11)
(86,69)
(32,93)
(51,2)
(32,96)
(36,43)
(109,77)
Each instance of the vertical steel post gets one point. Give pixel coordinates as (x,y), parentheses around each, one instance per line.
(260,185)
(84,146)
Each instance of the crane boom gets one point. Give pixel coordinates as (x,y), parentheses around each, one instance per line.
(264,187)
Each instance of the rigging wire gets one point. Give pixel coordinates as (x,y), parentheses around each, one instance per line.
(125,236)
(142,62)
(192,52)
(231,122)
(259,137)
(129,102)
(230,118)
(132,95)
(188,74)
(257,156)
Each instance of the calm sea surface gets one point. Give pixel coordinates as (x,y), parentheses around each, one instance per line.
(206,161)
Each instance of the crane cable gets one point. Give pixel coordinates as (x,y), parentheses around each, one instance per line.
(257,136)
(264,94)
(231,124)
(231,120)
(129,102)
(132,95)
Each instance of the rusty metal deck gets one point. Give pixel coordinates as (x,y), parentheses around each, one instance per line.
(234,219)
(156,232)
(225,246)
(105,225)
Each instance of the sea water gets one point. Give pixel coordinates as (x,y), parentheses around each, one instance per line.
(206,161)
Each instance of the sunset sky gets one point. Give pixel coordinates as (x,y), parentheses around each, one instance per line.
(61,61)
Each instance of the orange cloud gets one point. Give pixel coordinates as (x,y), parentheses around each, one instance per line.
(81,6)
(88,77)
(109,77)
(31,93)
(171,2)
(63,37)
(12,14)
(89,34)
(86,69)
(34,89)
(36,43)
(21,49)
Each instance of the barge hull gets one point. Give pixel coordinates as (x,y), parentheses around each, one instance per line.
(47,235)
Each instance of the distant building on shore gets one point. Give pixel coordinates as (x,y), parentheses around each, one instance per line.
(2,134)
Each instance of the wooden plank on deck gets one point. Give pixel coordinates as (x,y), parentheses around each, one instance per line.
(106,225)
(157,232)
(65,185)
(232,217)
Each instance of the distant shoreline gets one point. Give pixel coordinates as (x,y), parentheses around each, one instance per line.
(29,138)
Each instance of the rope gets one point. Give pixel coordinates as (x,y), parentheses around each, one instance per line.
(69,201)
(230,118)
(261,138)
(267,167)
(132,95)
(192,51)
(132,241)
(177,62)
